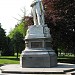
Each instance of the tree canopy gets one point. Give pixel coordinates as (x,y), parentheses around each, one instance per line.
(60,17)
(17,37)
(2,38)
(18,28)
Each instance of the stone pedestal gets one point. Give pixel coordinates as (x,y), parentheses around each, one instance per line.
(38,52)
(38,59)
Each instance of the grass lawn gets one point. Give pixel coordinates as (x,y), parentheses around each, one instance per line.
(14,60)
(9,60)
(66,59)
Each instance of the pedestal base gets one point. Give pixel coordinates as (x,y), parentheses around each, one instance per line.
(38,59)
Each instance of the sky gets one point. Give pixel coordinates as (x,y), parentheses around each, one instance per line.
(11,10)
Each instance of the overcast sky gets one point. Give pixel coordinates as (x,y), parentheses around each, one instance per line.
(11,9)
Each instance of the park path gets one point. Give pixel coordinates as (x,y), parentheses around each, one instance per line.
(31,74)
(27,74)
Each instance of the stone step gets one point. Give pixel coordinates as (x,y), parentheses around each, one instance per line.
(61,69)
(71,73)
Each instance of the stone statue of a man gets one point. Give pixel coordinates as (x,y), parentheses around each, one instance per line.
(37,12)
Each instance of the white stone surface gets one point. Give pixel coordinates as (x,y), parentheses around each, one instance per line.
(37,31)
(60,68)
(38,59)
(37,53)
(38,12)
(34,31)
(0,71)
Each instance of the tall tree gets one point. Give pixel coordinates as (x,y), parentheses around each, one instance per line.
(18,42)
(60,17)
(17,38)
(2,38)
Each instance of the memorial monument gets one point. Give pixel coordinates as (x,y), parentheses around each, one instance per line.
(38,52)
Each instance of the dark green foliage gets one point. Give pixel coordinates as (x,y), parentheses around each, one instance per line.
(17,38)
(5,44)
(9,51)
(18,42)
(2,38)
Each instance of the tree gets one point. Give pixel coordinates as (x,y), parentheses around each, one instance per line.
(17,38)
(20,28)
(9,50)
(60,17)
(5,44)
(18,42)
(2,39)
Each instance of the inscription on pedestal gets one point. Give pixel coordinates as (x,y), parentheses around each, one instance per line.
(47,44)
(36,45)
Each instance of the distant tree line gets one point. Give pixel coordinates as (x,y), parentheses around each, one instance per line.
(6,47)
(14,42)
(17,37)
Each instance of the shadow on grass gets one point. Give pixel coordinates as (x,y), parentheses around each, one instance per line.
(66,59)
(72,61)
(1,65)
(16,59)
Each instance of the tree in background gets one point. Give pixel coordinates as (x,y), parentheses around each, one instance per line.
(2,39)
(18,42)
(5,43)
(17,34)
(17,38)
(60,17)
(9,50)
(20,28)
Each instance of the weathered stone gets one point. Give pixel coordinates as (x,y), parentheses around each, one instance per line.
(38,51)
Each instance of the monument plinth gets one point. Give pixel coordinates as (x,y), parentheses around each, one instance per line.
(38,51)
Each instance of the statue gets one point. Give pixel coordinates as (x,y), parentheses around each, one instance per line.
(38,52)
(37,12)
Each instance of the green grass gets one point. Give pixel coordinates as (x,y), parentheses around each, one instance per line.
(14,60)
(67,59)
(9,60)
